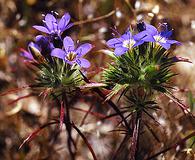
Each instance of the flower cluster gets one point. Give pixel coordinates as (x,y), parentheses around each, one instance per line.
(141,60)
(147,33)
(124,43)
(140,70)
(53,45)
(53,26)
(57,58)
(72,55)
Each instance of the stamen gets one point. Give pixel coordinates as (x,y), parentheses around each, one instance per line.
(56,13)
(113,34)
(159,38)
(71,56)
(115,31)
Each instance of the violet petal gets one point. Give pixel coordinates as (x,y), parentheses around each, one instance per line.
(148,38)
(120,50)
(68,44)
(138,43)
(83,49)
(68,26)
(166,34)
(151,29)
(83,62)
(59,53)
(173,42)
(26,54)
(165,45)
(140,35)
(51,22)
(41,28)
(64,22)
(127,35)
(114,42)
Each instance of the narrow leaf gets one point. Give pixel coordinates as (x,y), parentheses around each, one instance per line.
(117,88)
(92,85)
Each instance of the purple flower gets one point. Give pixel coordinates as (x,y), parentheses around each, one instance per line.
(41,46)
(33,53)
(72,55)
(28,54)
(150,34)
(54,26)
(44,45)
(124,43)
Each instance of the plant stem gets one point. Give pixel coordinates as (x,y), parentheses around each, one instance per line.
(85,140)
(67,123)
(121,146)
(138,123)
(134,148)
(83,121)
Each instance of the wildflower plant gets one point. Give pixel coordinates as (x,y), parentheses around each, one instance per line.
(57,67)
(141,69)
(57,64)
(146,64)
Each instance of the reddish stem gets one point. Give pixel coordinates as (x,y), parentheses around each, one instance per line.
(86,141)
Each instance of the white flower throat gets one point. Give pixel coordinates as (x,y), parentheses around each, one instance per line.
(160,39)
(128,43)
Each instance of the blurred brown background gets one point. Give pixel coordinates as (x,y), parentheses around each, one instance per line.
(19,119)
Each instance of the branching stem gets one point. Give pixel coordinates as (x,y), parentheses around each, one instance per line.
(138,124)
(116,109)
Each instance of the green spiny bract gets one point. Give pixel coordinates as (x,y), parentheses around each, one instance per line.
(57,77)
(138,100)
(146,66)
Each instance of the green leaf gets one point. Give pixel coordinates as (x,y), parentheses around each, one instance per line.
(115,90)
